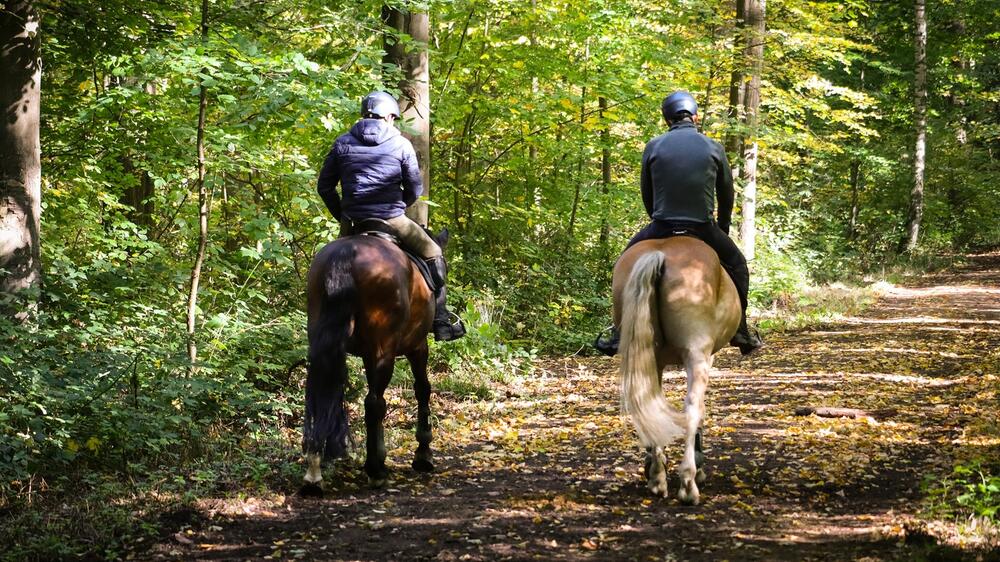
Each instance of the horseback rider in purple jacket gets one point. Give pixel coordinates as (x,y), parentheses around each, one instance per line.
(684,174)
(380,177)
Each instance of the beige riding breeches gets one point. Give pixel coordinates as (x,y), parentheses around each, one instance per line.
(414,237)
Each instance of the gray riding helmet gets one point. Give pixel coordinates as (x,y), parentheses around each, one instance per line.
(677,104)
(377,105)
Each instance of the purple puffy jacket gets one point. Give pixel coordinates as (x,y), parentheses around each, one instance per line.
(378,169)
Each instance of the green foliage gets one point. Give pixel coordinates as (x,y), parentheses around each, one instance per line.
(973,488)
(483,356)
(980,491)
(97,383)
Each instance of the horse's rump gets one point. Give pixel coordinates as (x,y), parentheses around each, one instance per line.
(695,296)
(391,305)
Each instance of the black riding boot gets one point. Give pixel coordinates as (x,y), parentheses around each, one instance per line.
(443,328)
(747,341)
(608,345)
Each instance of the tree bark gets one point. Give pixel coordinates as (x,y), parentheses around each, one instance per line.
(920,122)
(755,15)
(856,178)
(533,197)
(602,103)
(578,177)
(734,138)
(415,98)
(203,206)
(20,148)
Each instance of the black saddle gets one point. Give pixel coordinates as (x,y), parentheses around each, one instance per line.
(380,228)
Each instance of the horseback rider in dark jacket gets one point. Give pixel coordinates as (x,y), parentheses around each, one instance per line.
(378,170)
(683,174)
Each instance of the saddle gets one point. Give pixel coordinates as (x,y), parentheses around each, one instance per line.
(379,228)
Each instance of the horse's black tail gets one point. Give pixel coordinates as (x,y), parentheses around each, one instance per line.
(325,429)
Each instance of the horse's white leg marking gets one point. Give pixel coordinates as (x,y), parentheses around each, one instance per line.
(657,473)
(697,365)
(314,475)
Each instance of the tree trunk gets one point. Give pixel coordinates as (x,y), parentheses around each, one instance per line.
(463,164)
(734,138)
(415,100)
(203,205)
(920,121)
(20,148)
(581,155)
(755,10)
(602,103)
(533,196)
(852,226)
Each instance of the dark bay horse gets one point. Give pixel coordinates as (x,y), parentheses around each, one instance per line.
(366,298)
(674,304)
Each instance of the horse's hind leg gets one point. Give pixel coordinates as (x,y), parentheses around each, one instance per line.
(423,461)
(378,372)
(656,471)
(697,365)
(699,456)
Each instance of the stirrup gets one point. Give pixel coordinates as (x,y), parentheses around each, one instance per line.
(450,331)
(607,345)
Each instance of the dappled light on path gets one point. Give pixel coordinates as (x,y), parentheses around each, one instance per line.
(549,469)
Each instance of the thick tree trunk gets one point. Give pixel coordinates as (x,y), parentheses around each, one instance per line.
(415,101)
(920,122)
(203,206)
(20,147)
(755,10)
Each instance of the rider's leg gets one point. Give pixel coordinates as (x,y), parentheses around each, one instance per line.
(736,265)
(345,227)
(416,238)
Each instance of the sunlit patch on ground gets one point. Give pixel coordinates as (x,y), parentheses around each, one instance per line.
(550,470)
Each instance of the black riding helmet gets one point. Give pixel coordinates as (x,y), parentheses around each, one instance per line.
(677,104)
(377,105)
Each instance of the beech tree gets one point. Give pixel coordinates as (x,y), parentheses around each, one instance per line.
(406,48)
(916,212)
(20,149)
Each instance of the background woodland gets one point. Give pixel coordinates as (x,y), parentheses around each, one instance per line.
(180,144)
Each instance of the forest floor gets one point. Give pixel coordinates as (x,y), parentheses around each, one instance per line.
(549,470)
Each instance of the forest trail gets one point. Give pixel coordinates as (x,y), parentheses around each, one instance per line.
(549,470)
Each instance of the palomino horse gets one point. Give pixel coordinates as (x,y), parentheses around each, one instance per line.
(366,298)
(674,304)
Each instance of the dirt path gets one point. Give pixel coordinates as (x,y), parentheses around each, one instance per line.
(550,471)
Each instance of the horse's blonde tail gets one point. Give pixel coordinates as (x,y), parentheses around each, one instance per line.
(642,397)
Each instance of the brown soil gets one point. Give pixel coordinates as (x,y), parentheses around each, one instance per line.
(549,470)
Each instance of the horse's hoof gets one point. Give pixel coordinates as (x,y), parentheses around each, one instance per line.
(311,490)
(688,494)
(658,487)
(423,465)
(700,477)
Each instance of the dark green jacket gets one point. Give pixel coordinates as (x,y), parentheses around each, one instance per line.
(683,172)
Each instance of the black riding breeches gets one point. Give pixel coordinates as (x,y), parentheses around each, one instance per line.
(708,232)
